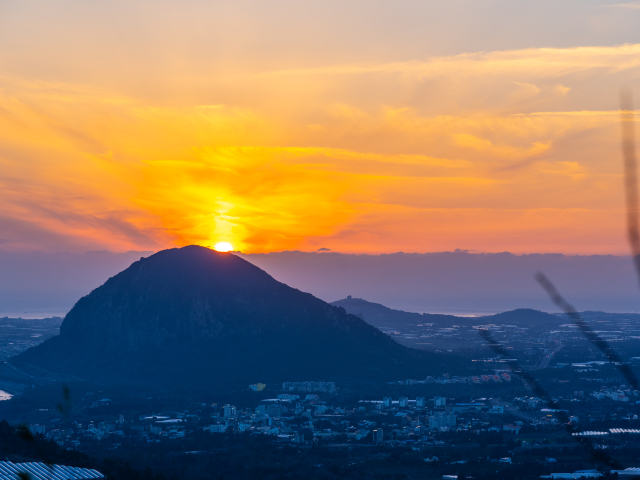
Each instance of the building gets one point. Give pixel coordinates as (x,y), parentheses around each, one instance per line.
(276,410)
(229,411)
(378,436)
(35,429)
(512,428)
(244,427)
(257,387)
(533,401)
(220,428)
(420,402)
(579,474)
(329,387)
(404,402)
(468,407)
(386,402)
(288,397)
(442,420)
(45,470)
(439,401)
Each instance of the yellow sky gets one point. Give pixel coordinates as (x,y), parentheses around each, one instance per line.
(514,149)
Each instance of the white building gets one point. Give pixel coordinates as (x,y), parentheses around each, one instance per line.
(229,411)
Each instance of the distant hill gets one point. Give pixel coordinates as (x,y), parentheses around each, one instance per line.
(526,317)
(195,317)
(381,316)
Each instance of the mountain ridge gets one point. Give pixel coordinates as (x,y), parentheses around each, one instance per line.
(381,316)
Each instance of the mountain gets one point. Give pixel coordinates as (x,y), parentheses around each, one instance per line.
(193,316)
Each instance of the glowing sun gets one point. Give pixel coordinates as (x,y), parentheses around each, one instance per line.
(223,247)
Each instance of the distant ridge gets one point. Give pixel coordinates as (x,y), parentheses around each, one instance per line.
(381,316)
(195,317)
(527,317)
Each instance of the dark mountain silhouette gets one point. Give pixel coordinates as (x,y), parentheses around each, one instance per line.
(192,316)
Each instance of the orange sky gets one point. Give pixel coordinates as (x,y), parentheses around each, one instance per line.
(117,145)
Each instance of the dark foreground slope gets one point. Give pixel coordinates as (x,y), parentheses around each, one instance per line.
(192,316)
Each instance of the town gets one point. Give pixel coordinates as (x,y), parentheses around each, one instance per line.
(440,431)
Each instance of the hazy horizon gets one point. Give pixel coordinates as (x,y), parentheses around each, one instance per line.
(38,284)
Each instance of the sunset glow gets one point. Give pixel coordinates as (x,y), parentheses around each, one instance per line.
(513,149)
(223,247)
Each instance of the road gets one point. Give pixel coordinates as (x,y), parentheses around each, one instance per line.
(544,361)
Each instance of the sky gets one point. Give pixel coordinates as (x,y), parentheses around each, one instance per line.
(360,126)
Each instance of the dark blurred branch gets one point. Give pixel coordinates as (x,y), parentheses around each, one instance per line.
(633,231)
(627,121)
(594,452)
(587,331)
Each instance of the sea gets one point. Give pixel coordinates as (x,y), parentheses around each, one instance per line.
(32,313)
